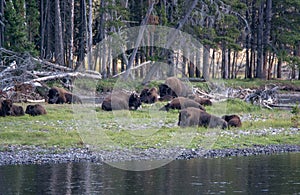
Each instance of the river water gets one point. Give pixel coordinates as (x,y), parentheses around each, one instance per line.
(262,174)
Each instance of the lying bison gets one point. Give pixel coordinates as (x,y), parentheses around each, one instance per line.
(232,120)
(35,110)
(121,101)
(149,96)
(58,95)
(16,111)
(181,103)
(197,117)
(173,87)
(5,106)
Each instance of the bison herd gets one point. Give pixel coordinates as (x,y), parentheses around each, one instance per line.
(55,96)
(191,107)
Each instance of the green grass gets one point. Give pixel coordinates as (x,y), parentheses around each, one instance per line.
(79,125)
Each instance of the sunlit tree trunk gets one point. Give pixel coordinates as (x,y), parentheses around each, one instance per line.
(206,55)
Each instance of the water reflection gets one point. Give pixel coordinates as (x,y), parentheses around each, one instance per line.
(275,174)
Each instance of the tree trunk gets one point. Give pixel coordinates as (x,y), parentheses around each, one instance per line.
(206,55)
(90,36)
(71,46)
(260,49)
(267,32)
(279,65)
(198,65)
(229,62)
(82,36)
(1,27)
(59,44)
(224,67)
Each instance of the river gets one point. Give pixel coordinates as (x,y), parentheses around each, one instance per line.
(261,174)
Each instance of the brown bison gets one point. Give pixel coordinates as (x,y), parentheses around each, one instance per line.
(35,110)
(197,117)
(121,101)
(149,96)
(58,95)
(232,120)
(173,87)
(181,103)
(16,111)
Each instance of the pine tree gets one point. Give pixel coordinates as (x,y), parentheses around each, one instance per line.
(16,36)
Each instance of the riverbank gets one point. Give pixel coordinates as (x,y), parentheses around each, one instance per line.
(24,155)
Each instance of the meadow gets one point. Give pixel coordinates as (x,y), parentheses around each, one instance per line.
(86,125)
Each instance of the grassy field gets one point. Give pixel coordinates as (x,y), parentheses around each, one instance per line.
(80,125)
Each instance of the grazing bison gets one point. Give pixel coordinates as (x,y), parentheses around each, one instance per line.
(181,103)
(16,111)
(60,96)
(121,101)
(35,110)
(5,107)
(232,120)
(149,96)
(173,87)
(197,117)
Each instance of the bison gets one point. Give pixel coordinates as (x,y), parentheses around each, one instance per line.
(58,95)
(197,117)
(121,101)
(233,120)
(35,110)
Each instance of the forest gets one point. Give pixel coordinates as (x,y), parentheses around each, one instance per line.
(239,38)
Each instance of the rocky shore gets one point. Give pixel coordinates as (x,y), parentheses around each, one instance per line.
(16,155)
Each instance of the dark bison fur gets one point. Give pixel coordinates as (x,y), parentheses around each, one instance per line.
(16,111)
(181,103)
(165,90)
(121,101)
(197,117)
(201,100)
(233,120)
(35,110)
(173,87)
(5,107)
(58,95)
(149,96)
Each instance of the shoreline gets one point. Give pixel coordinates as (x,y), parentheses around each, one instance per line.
(30,155)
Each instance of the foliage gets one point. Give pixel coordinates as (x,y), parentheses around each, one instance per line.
(16,37)
(295,119)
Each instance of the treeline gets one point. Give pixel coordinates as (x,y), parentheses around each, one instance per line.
(241,38)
